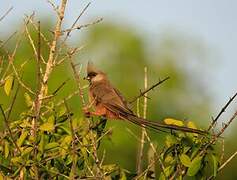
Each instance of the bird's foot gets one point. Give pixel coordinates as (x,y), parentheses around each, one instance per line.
(86,112)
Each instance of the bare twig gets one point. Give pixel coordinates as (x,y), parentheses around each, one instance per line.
(70,29)
(55,8)
(38,56)
(60,87)
(83,26)
(147,90)
(77,77)
(8,39)
(75,22)
(20,81)
(41,34)
(214,138)
(140,154)
(50,62)
(12,55)
(6,13)
(222,111)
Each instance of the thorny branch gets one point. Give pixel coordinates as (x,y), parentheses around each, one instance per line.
(75,22)
(147,90)
(222,111)
(82,26)
(215,137)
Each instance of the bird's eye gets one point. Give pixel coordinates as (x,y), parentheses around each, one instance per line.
(92,74)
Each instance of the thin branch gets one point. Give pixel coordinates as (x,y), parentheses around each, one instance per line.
(12,55)
(20,81)
(214,138)
(75,22)
(41,34)
(147,90)
(77,77)
(9,129)
(60,87)
(222,111)
(38,56)
(8,39)
(55,8)
(83,26)
(6,13)
(38,68)
(71,52)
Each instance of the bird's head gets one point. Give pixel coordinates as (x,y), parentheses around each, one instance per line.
(94,75)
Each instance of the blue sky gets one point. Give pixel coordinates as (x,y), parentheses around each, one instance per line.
(214,22)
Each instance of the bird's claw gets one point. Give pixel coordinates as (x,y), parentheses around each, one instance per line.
(86,112)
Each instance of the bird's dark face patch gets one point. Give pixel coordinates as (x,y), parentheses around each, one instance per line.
(91,75)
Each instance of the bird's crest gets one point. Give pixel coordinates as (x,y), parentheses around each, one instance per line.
(92,69)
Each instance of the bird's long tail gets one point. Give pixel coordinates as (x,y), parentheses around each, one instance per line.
(158,126)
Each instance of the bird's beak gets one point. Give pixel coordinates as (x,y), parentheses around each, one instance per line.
(87,78)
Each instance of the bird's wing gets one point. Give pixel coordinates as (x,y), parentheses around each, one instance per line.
(111,98)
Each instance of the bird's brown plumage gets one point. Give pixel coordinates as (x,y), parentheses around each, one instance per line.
(109,102)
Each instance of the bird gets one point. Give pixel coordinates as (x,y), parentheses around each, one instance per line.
(109,103)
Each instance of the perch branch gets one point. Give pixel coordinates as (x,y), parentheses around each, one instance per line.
(147,90)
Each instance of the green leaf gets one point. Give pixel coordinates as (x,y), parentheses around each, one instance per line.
(110,168)
(191,125)
(62,111)
(51,145)
(6,149)
(172,121)
(170,140)
(22,138)
(122,175)
(8,84)
(26,151)
(168,170)
(28,99)
(66,141)
(25,124)
(215,165)
(169,159)
(185,160)
(41,143)
(16,160)
(48,126)
(195,166)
